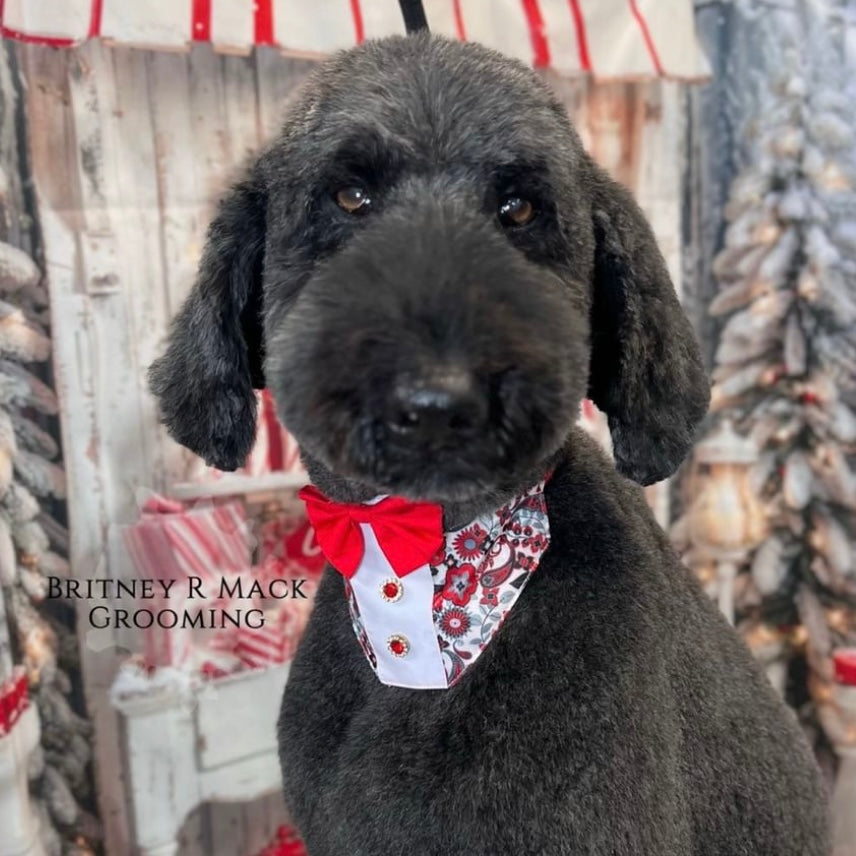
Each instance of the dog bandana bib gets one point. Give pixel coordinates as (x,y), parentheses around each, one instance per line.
(425,603)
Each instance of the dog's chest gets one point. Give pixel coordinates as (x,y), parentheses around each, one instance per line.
(423,631)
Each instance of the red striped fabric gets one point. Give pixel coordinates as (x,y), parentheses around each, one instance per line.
(24,35)
(646,35)
(609,38)
(460,28)
(540,48)
(264,22)
(357,15)
(276,457)
(95,19)
(201,24)
(580,31)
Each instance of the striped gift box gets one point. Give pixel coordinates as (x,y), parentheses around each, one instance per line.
(275,642)
(174,542)
(274,450)
(609,38)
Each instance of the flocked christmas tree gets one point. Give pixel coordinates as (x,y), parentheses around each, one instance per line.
(785,365)
(33,542)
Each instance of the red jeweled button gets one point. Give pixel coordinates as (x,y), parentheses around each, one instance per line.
(398,645)
(391,590)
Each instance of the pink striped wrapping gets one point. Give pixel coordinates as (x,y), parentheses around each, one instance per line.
(271,644)
(275,450)
(167,647)
(209,650)
(174,543)
(594,422)
(610,38)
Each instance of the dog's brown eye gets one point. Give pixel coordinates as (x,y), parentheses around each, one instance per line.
(515,211)
(354,200)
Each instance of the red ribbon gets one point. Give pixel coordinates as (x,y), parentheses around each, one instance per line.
(844,660)
(409,533)
(14,699)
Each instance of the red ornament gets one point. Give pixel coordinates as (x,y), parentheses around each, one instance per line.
(14,700)
(391,590)
(212,670)
(302,547)
(398,645)
(287,843)
(844,660)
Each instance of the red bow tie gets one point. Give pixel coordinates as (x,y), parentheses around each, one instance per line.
(409,533)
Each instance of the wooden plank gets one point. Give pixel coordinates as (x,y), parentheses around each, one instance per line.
(177,159)
(137,222)
(181,217)
(277,79)
(210,131)
(125,440)
(610,127)
(129,151)
(253,700)
(52,144)
(226,828)
(657,185)
(240,99)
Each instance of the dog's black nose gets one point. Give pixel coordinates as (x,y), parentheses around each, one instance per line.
(438,408)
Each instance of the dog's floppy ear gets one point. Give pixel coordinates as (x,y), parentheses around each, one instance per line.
(646,371)
(204,381)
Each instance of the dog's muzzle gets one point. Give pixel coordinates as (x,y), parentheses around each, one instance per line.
(436,409)
(434,372)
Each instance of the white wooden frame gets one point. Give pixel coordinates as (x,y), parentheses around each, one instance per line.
(217,743)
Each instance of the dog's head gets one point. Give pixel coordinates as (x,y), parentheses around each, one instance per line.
(429,273)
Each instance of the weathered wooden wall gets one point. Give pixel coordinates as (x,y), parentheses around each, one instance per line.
(129,151)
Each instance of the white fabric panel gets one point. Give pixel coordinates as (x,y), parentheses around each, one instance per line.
(410,616)
(164,23)
(57,19)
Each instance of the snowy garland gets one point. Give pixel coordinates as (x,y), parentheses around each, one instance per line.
(33,545)
(785,365)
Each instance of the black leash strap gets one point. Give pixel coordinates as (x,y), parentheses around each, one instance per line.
(414,16)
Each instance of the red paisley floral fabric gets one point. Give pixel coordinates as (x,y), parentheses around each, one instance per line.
(477,578)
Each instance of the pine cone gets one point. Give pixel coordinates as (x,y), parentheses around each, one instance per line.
(41,476)
(60,801)
(48,835)
(8,561)
(34,438)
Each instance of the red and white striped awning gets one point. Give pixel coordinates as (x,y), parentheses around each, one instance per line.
(609,38)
